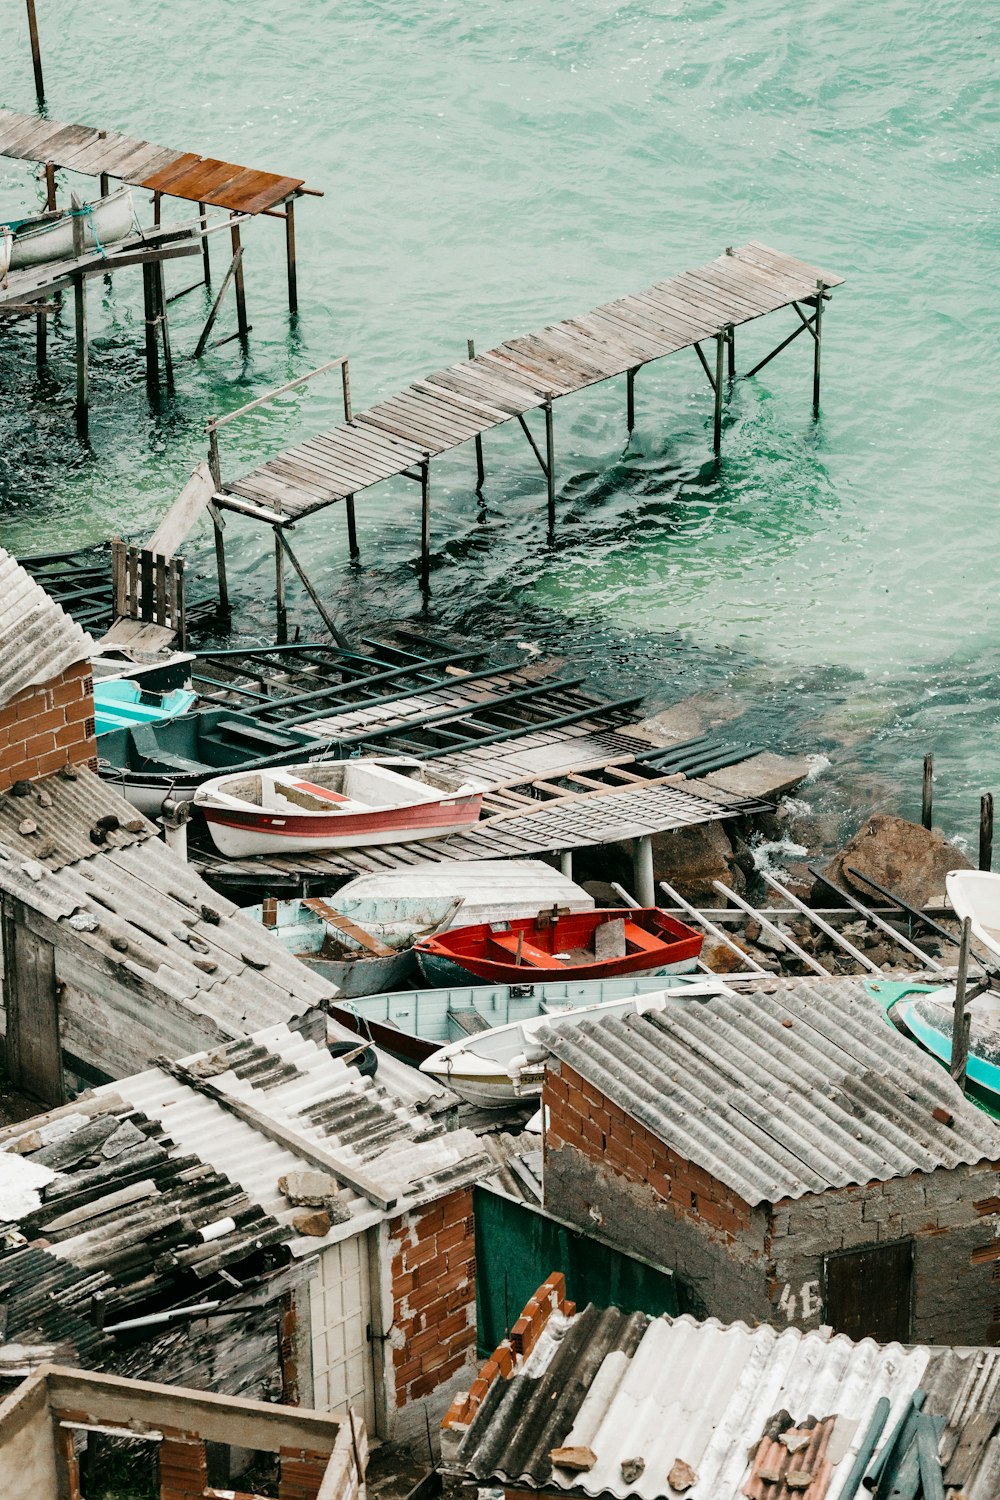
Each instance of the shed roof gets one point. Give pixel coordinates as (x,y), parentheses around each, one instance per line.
(628,1386)
(132,903)
(38,640)
(781,1091)
(374,1132)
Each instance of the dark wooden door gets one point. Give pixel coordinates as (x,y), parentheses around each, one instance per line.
(33,1050)
(868,1292)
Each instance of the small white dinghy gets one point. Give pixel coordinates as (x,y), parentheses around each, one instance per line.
(341,804)
(491,890)
(495,1069)
(49,236)
(976,894)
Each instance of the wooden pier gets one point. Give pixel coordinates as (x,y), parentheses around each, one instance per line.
(402,435)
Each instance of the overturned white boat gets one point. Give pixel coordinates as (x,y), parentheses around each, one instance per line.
(49,236)
(976,894)
(495,1069)
(487,890)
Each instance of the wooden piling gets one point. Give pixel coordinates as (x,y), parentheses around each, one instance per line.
(480,470)
(218,522)
(720,350)
(731,348)
(293,289)
(206,258)
(149,311)
(425,525)
(279,587)
(817,344)
(36,53)
(161,319)
(630,399)
(927,800)
(960,1021)
(241,299)
(352,528)
(550,467)
(82,364)
(986,831)
(50,186)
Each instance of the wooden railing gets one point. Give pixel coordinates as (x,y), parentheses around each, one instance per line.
(147,586)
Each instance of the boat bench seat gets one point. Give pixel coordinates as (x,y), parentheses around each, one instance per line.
(469,1022)
(638,937)
(177,763)
(255,735)
(155,756)
(532,957)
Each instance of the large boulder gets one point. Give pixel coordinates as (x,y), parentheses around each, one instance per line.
(691,858)
(906,858)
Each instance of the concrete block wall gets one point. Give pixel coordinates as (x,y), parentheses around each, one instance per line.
(433,1271)
(604,1171)
(44,727)
(950,1214)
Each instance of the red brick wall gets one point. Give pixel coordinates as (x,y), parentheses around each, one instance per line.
(579,1115)
(43,727)
(433,1294)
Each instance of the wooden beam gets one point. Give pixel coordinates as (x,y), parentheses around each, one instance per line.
(234,266)
(325,615)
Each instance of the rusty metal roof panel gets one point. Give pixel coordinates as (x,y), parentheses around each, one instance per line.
(662,1390)
(38,640)
(781,1090)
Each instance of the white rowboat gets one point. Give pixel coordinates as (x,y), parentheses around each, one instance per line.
(49,236)
(976,894)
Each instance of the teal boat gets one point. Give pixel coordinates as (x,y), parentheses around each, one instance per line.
(925,1012)
(121,701)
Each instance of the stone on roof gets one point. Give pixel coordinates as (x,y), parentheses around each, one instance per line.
(38,640)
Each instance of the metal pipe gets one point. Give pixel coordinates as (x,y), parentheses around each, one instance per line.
(823,926)
(869,1443)
(712,930)
(864,911)
(897,1442)
(782,937)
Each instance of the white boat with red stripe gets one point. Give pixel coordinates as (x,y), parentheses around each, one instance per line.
(343,804)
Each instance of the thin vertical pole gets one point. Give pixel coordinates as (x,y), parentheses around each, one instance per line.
(161,318)
(279,587)
(731,346)
(41,340)
(149,308)
(105,183)
(961,1022)
(293,290)
(215,469)
(550,467)
(82,367)
(927,799)
(986,832)
(352,524)
(157,202)
(642,870)
(566,863)
(480,469)
(50,185)
(630,399)
(817,345)
(425,526)
(720,350)
(36,53)
(206,258)
(241,299)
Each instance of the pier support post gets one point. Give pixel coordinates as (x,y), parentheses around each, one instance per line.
(279,587)
(986,832)
(241,299)
(41,341)
(352,528)
(731,348)
(720,350)
(425,525)
(550,467)
(817,344)
(566,863)
(206,258)
(927,798)
(36,53)
(293,287)
(630,399)
(161,319)
(149,311)
(218,521)
(82,365)
(642,870)
(961,1021)
(480,470)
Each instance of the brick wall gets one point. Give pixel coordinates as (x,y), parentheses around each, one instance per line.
(433,1267)
(45,726)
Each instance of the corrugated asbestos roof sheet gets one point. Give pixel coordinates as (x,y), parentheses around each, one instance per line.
(782,1091)
(67,816)
(627,1386)
(410,1155)
(122,1221)
(38,640)
(135,904)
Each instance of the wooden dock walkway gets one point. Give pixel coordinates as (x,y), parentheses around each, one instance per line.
(524,374)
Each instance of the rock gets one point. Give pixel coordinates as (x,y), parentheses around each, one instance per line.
(27,826)
(578,1459)
(309,1189)
(908,859)
(767,776)
(752,930)
(681,1476)
(316,1222)
(688,719)
(691,858)
(27,1143)
(631,1469)
(770,942)
(602,891)
(720,959)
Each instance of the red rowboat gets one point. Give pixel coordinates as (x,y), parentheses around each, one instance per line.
(602,944)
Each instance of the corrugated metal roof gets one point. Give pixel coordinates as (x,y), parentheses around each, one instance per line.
(66,810)
(142,908)
(628,1386)
(781,1091)
(410,1155)
(38,640)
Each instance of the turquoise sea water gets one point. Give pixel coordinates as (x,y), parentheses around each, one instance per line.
(491,166)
